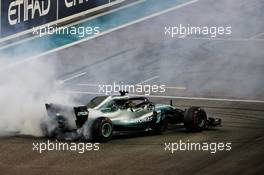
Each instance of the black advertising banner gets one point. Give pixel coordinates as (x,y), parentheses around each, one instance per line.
(20,15)
(70,7)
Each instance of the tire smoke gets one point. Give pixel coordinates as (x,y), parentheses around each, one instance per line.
(24,89)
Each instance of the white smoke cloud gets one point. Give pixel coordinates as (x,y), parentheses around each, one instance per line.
(24,89)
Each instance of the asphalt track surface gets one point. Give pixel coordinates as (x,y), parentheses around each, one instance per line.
(140,52)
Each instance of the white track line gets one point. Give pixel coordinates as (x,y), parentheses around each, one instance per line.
(208,99)
(147,80)
(256,36)
(177,97)
(176,87)
(101,34)
(72,77)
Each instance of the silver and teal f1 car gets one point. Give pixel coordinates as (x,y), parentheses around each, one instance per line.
(105,114)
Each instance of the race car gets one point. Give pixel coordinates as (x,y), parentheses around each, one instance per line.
(98,119)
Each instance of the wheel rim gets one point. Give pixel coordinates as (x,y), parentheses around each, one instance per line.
(106,129)
(200,121)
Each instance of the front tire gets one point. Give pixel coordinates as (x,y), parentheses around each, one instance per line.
(195,119)
(102,129)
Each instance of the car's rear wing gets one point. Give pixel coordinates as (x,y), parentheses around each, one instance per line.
(56,111)
(81,113)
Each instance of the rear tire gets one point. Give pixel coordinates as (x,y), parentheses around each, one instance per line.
(102,129)
(195,119)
